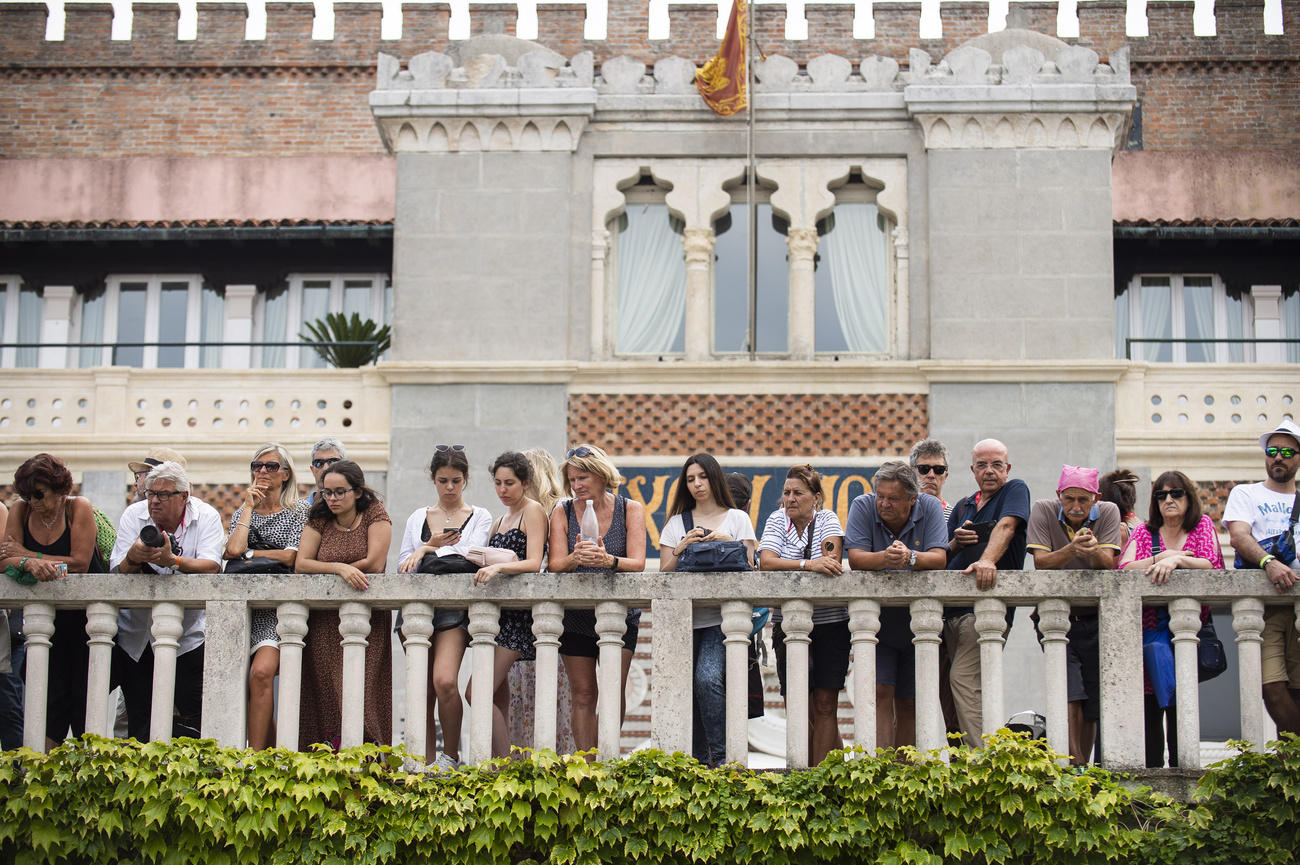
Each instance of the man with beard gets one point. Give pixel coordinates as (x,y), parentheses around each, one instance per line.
(1263,510)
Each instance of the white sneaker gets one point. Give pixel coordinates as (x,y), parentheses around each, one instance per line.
(447,763)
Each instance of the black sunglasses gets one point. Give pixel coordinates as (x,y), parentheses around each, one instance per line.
(259,466)
(442,449)
(1161,495)
(321,463)
(582,451)
(1284,453)
(926,469)
(35,495)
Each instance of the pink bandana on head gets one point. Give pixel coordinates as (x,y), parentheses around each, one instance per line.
(1078,476)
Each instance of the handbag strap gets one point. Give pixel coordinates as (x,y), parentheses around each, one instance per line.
(1295,512)
(1157,543)
(807,548)
(688,521)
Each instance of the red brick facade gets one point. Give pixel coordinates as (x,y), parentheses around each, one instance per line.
(153,95)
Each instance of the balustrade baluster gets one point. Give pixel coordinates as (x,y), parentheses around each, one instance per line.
(1120,619)
(672,675)
(417,628)
(354,627)
(737,626)
(484,623)
(864,625)
(1248,625)
(991,624)
(927,625)
(1185,621)
(167,629)
(1054,625)
(611,623)
(38,627)
(101,628)
(291,625)
(548,625)
(225,673)
(796,622)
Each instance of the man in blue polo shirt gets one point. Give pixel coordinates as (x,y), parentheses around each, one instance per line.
(896,527)
(986,533)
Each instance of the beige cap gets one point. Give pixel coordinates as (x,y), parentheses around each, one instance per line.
(156,457)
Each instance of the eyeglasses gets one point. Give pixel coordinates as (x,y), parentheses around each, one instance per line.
(925,469)
(258,466)
(139,475)
(582,451)
(442,449)
(35,495)
(1176,494)
(162,495)
(336,494)
(996,465)
(321,463)
(1284,453)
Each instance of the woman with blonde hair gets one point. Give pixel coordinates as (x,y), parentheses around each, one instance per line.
(592,481)
(543,487)
(268,524)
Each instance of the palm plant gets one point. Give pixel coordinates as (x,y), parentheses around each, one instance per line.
(369,341)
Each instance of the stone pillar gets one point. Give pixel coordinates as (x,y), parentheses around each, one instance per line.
(483,627)
(698,244)
(1054,624)
(38,627)
(991,623)
(601,347)
(611,623)
(1268,323)
(167,630)
(239,326)
(864,625)
(671,675)
(1185,622)
(225,673)
(291,625)
(56,327)
(417,628)
(796,622)
(101,628)
(802,334)
(548,625)
(1120,618)
(354,627)
(1248,624)
(737,625)
(927,627)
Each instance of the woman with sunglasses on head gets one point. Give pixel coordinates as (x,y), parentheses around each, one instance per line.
(1176,535)
(592,481)
(702,494)
(803,536)
(274,516)
(448,528)
(347,533)
(51,533)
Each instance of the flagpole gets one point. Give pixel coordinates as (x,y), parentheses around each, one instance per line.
(751,186)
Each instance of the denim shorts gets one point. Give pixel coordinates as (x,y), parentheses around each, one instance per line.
(828,655)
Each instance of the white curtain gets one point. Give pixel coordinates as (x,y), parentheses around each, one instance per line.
(315,306)
(1291,325)
(859,263)
(93,304)
(1121,324)
(29,325)
(651,282)
(275,318)
(1236,352)
(1155,303)
(212,327)
(1198,310)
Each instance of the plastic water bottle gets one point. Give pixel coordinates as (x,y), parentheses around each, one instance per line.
(590,529)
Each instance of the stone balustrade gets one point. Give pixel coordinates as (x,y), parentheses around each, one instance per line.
(1118,595)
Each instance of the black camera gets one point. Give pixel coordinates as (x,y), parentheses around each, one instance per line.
(151,537)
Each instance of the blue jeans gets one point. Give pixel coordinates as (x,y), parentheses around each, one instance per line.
(709,730)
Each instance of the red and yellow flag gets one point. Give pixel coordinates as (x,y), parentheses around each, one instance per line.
(722,80)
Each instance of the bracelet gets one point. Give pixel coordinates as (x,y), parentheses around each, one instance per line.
(40,555)
(22,566)
(613,562)
(247,525)
(1263,563)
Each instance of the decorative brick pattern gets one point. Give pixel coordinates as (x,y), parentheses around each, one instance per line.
(1214,498)
(742,424)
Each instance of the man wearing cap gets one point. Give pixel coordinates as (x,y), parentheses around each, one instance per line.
(1255,512)
(157,456)
(1075,531)
(188,539)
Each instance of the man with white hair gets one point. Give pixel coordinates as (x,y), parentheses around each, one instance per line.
(170,532)
(324,454)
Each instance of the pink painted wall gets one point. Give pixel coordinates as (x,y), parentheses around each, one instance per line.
(192,188)
(1206,184)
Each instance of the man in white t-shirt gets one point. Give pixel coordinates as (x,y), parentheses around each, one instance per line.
(1255,512)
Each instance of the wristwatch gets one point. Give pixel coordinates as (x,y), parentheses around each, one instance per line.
(248,554)
(911,560)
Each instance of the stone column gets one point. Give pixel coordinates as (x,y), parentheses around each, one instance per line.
(991,623)
(600,344)
(737,625)
(167,630)
(101,628)
(864,625)
(1120,618)
(1248,624)
(56,324)
(802,243)
(927,626)
(291,625)
(698,244)
(796,622)
(483,627)
(354,627)
(671,675)
(38,627)
(225,673)
(1185,622)
(548,625)
(238,326)
(611,623)
(1268,323)
(1054,624)
(417,628)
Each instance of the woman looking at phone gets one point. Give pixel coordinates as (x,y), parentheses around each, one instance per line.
(450,527)
(591,479)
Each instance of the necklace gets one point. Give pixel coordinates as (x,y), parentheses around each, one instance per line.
(355,523)
(49,524)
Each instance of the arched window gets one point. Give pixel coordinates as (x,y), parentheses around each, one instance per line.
(853,275)
(649,268)
(731,277)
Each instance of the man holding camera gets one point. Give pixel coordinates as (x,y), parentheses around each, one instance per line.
(169,532)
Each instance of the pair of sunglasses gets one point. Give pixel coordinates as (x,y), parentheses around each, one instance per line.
(927,469)
(260,466)
(442,449)
(1284,453)
(322,463)
(582,451)
(1161,495)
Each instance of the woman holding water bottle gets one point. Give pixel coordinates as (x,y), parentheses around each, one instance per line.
(598,531)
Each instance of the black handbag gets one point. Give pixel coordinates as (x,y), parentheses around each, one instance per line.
(711,556)
(452,563)
(1280,546)
(257,564)
(1211,659)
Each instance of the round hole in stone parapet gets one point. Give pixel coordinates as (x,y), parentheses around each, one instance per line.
(320,404)
(166,421)
(347,403)
(1236,400)
(320,422)
(139,421)
(1209,400)
(1155,418)
(56,403)
(31,403)
(82,403)
(192,422)
(142,404)
(347,421)
(218,404)
(1155,400)
(1182,399)
(6,402)
(167,404)
(295,422)
(192,405)
(1182,418)
(1236,418)
(1286,399)
(4,421)
(243,423)
(31,421)
(217,423)
(295,404)
(56,421)
(270,422)
(81,421)
(1263,418)
(1209,418)
(1261,400)
(243,404)
(270,403)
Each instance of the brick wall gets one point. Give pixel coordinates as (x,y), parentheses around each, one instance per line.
(88,95)
(742,424)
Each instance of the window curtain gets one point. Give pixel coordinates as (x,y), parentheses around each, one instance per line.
(93,305)
(275,319)
(315,306)
(1198,312)
(1236,352)
(1156,320)
(1122,324)
(212,328)
(858,264)
(651,282)
(29,326)
(1291,325)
